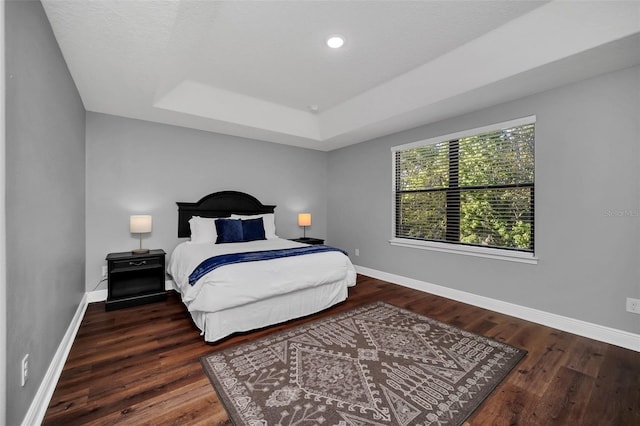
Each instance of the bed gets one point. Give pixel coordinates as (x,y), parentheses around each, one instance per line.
(248,295)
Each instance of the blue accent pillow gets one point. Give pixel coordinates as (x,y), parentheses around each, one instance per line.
(252,229)
(229,231)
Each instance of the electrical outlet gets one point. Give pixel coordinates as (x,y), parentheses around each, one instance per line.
(633,305)
(24,370)
(357,252)
(104,272)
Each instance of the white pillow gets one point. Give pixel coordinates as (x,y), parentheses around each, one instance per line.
(268,219)
(203,229)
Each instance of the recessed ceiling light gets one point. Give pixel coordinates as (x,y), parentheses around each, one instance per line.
(335,42)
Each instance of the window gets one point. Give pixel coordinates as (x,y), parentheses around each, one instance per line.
(470,189)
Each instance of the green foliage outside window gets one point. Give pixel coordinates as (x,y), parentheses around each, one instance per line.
(477,190)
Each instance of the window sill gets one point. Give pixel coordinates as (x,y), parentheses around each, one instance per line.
(487,252)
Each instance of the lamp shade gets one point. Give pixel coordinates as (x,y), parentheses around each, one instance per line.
(140,223)
(304,219)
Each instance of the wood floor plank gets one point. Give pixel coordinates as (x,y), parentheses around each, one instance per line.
(566,399)
(586,358)
(506,406)
(615,399)
(140,365)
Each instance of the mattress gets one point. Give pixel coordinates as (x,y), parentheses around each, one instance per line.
(241,297)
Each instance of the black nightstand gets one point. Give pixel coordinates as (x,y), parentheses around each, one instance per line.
(135,279)
(308,240)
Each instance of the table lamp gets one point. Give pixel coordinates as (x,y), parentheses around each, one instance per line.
(140,224)
(304,220)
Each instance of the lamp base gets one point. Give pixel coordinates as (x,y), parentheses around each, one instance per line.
(140,251)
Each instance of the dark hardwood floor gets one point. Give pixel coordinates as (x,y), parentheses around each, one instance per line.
(141,365)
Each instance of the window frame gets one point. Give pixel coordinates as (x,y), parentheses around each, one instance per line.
(508,254)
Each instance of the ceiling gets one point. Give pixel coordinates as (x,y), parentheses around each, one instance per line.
(261,69)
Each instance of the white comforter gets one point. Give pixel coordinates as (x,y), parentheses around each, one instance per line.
(243,283)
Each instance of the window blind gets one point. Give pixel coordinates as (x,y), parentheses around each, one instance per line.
(474,190)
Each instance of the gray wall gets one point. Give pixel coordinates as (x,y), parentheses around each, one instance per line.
(136,167)
(45,175)
(587,173)
(3,253)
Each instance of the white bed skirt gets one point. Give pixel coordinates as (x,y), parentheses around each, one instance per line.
(274,310)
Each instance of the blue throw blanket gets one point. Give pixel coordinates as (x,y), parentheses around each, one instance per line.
(253,256)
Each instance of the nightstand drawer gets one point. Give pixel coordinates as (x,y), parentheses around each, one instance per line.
(138,263)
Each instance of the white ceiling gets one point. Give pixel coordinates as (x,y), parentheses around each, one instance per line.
(253,68)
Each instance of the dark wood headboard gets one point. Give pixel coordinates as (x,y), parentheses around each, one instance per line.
(219,204)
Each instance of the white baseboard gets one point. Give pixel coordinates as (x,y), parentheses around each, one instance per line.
(601,333)
(97,296)
(38,407)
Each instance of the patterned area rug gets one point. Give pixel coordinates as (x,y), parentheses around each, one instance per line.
(373,365)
